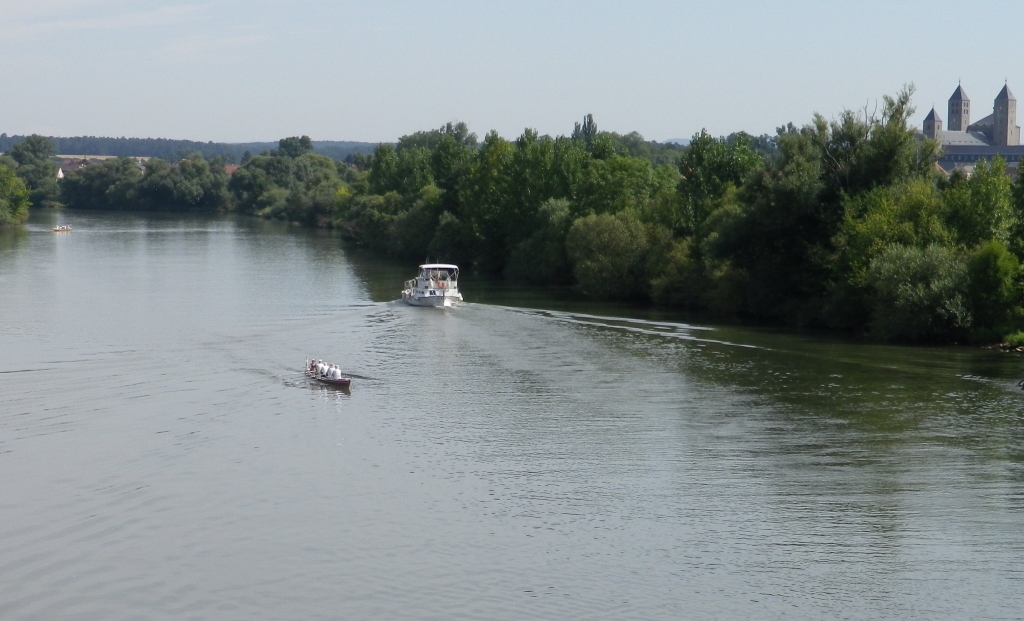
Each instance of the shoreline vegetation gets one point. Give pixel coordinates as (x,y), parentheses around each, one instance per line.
(174,150)
(844,224)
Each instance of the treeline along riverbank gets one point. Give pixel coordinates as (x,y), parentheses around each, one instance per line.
(169,149)
(845,224)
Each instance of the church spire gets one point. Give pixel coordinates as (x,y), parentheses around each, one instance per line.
(959,110)
(932,126)
(1004,115)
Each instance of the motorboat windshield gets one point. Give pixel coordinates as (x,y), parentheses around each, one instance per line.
(439,272)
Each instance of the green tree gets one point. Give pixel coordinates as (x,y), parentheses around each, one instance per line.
(691,274)
(313,188)
(451,242)
(429,140)
(485,192)
(1016,241)
(370,218)
(764,145)
(682,280)
(541,258)
(634,144)
(909,214)
(37,170)
(568,167)
(383,176)
(13,198)
(405,171)
(449,164)
(994,290)
(530,174)
(608,255)
(981,207)
(586,131)
(294,146)
(666,207)
(618,183)
(707,168)
(414,171)
(192,183)
(254,179)
(862,151)
(306,188)
(414,228)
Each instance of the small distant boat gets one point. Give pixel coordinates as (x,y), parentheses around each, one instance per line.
(64,228)
(436,285)
(342,381)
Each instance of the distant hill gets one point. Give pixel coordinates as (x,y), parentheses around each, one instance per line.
(168,149)
(680,141)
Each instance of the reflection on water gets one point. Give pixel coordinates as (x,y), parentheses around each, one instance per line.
(526,455)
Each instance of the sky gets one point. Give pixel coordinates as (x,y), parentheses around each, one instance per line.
(259,70)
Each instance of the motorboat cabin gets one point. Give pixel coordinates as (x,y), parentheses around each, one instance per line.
(436,285)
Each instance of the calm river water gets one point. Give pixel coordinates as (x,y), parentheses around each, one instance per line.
(519,457)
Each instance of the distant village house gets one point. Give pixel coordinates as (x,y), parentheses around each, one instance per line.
(70,163)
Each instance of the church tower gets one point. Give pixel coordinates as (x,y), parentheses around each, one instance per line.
(1004,114)
(933,125)
(959,110)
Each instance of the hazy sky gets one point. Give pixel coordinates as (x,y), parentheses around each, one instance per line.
(242,70)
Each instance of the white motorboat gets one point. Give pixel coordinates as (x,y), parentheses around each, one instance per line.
(436,285)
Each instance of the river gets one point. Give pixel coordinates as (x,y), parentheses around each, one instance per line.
(523,456)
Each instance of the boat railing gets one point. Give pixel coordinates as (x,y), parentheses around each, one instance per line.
(447,284)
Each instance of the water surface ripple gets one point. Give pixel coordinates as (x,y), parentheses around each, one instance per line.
(524,458)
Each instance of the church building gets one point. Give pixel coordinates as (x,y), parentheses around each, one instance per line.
(965,143)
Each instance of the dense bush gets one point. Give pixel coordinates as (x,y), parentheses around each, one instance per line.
(112,184)
(682,281)
(290,183)
(920,294)
(994,289)
(192,183)
(607,254)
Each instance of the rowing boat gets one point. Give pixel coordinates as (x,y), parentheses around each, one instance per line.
(343,382)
